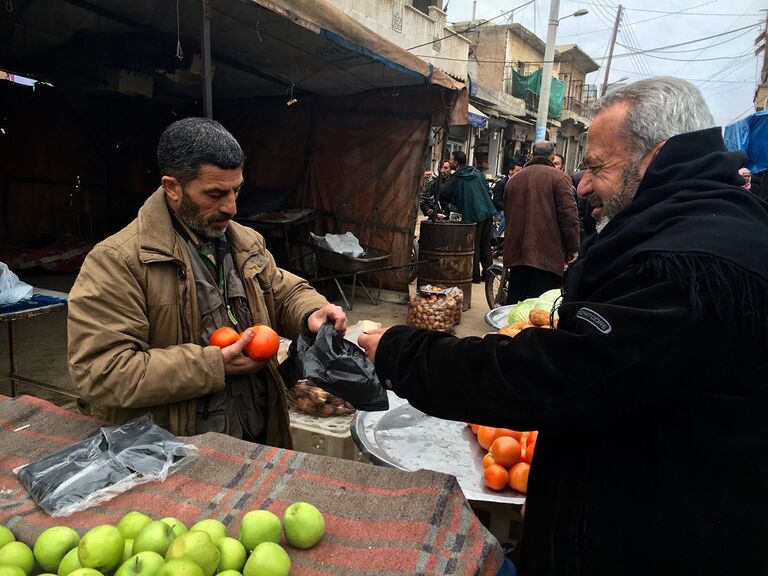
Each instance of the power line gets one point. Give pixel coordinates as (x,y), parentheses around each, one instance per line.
(707,47)
(692,50)
(691,13)
(749,109)
(657,49)
(481,23)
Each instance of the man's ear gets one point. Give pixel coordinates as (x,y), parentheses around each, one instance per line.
(649,157)
(172,188)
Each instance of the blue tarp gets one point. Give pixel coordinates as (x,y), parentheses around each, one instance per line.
(750,135)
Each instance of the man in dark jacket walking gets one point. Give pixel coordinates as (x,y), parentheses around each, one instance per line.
(542,233)
(468,189)
(651,396)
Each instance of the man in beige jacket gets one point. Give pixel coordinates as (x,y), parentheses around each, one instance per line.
(148,298)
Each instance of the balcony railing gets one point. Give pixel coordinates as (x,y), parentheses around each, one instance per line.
(577,107)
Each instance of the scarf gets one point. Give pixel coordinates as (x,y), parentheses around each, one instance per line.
(690,222)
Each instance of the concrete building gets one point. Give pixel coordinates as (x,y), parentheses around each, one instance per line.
(420,26)
(498,52)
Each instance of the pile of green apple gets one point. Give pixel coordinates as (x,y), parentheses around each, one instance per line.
(140,546)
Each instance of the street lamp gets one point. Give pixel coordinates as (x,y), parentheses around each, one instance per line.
(546,72)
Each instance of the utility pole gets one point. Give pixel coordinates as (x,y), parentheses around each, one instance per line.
(546,71)
(610,51)
(205,56)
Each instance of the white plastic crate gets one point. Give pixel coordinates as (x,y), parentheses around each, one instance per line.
(327,436)
(502,520)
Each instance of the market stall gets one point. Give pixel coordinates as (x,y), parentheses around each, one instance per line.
(378,520)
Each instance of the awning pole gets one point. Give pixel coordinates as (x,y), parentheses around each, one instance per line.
(206,60)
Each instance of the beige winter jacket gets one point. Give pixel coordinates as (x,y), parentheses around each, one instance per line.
(134,323)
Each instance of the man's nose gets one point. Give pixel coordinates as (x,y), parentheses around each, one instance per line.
(585,185)
(229,204)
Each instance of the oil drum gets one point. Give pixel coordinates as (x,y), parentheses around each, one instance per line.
(451,246)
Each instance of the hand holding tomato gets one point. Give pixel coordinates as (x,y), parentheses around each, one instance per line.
(235,360)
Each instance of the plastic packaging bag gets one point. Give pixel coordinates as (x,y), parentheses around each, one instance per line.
(313,400)
(104,466)
(432,309)
(11,288)
(337,366)
(346,243)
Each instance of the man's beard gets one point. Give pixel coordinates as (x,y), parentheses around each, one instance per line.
(190,215)
(630,180)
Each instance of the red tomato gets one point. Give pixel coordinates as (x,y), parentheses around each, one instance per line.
(518,477)
(264,344)
(223,337)
(529,449)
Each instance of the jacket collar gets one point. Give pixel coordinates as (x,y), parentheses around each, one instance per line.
(157,237)
(539,160)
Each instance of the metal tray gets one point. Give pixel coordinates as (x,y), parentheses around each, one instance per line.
(497,318)
(335,262)
(406,438)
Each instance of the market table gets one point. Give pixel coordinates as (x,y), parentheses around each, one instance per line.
(379,521)
(42,302)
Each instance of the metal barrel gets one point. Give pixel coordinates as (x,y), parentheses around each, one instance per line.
(452,245)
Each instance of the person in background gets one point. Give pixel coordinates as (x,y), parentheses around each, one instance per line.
(542,231)
(747,175)
(147,300)
(650,393)
(430,201)
(468,189)
(558,161)
(497,196)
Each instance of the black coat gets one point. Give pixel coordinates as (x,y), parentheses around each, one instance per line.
(651,397)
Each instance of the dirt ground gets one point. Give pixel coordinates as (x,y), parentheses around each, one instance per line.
(42,341)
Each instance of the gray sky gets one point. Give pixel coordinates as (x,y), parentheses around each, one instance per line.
(725,69)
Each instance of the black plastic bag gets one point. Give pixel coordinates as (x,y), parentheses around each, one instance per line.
(337,366)
(104,465)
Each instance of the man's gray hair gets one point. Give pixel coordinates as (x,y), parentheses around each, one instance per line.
(543,148)
(659,108)
(189,143)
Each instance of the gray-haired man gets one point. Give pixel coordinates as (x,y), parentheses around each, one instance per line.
(651,396)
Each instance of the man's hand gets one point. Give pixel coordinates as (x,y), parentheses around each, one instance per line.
(235,362)
(328,313)
(369,341)
(572,258)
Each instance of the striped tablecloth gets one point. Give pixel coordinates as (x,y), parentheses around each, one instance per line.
(379,521)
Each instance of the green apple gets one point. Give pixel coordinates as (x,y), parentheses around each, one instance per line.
(86,572)
(69,563)
(259,526)
(53,544)
(6,536)
(101,548)
(127,550)
(132,523)
(231,554)
(268,559)
(215,529)
(18,554)
(230,573)
(180,567)
(198,547)
(47,574)
(11,571)
(155,537)
(141,564)
(304,525)
(179,527)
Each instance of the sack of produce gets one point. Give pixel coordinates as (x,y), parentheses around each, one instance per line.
(313,400)
(433,309)
(457,294)
(337,366)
